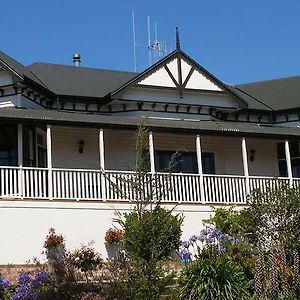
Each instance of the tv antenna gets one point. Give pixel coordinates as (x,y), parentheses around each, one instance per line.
(157,49)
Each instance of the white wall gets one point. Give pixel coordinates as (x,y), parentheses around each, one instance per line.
(65,148)
(119,150)
(196,98)
(25,225)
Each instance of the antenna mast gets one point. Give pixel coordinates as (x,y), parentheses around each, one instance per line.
(134,42)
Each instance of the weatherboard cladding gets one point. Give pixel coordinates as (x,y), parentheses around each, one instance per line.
(212,127)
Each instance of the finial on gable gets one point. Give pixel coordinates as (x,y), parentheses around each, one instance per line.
(177,39)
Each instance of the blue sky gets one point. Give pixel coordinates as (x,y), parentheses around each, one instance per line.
(238,41)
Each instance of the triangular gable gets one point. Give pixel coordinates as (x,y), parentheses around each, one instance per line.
(171,73)
(179,72)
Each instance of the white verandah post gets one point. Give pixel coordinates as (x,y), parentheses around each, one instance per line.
(49,163)
(288,162)
(245,165)
(20,161)
(152,165)
(102,163)
(151,152)
(200,169)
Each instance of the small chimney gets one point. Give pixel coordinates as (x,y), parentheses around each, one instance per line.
(76,59)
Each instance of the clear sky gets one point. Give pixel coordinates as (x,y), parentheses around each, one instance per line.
(238,41)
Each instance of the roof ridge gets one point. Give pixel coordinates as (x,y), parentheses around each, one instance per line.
(81,67)
(267,80)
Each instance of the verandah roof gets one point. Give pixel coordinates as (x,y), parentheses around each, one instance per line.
(125,122)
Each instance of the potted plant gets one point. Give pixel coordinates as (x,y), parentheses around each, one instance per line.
(55,246)
(113,238)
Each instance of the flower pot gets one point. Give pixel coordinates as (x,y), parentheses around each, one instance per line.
(113,251)
(56,253)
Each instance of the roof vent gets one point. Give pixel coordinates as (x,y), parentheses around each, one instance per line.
(76,59)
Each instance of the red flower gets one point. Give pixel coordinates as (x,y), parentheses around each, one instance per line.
(113,236)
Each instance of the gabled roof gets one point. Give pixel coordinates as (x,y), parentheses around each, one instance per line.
(280,94)
(18,71)
(177,82)
(82,82)
(79,81)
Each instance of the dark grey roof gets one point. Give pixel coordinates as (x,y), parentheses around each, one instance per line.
(18,70)
(62,80)
(253,103)
(278,93)
(79,81)
(123,122)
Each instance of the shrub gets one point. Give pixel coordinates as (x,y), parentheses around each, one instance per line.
(136,280)
(152,235)
(89,296)
(212,279)
(86,259)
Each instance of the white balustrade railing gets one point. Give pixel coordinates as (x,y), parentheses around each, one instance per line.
(83,184)
(224,189)
(23,182)
(76,184)
(263,183)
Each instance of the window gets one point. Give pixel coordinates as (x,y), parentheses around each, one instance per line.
(295,159)
(41,148)
(8,145)
(28,146)
(183,162)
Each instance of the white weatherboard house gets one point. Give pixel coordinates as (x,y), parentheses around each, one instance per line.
(60,125)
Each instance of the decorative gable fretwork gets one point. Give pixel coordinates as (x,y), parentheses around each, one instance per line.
(181,74)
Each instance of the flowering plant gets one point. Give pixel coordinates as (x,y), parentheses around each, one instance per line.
(5,286)
(53,239)
(213,239)
(28,285)
(113,236)
(86,259)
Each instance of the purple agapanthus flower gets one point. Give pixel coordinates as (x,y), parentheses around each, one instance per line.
(201,238)
(24,292)
(24,278)
(185,244)
(193,239)
(205,231)
(40,278)
(4,283)
(185,255)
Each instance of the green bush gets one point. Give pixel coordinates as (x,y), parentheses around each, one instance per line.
(151,235)
(137,280)
(212,278)
(235,223)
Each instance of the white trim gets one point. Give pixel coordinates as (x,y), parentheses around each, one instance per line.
(49,162)
(245,165)
(101,149)
(288,162)
(151,152)
(20,160)
(200,170)
(20,145)
(102,162)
